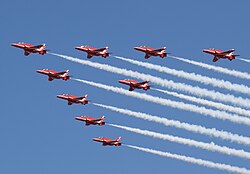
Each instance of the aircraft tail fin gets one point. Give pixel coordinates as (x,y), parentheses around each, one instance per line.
(44,46)
(41,47)
(118,139)
(65,75)
(102,117)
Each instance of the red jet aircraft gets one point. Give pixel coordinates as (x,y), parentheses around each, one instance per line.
(28,48)
(108,142)
(73,99)
(229,54)
(134,84)
(152,52)
(89,120)
(55,75)
(91,51)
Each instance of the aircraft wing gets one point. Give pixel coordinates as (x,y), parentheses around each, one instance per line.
(228,51)
(225,52)
(141,83)
(35,47)
(110,141)
(97,119)
(158,50)
(100,49)
(79,98)
(93,119)
(59,73)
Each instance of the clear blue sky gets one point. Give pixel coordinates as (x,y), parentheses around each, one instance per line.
(38,131)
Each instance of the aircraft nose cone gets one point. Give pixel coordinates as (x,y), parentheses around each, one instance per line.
(39,71)
(77,118)
(137,48)
(77,48)
(59,96)
(121,81)
(206,50)
(95,139)
(14,44)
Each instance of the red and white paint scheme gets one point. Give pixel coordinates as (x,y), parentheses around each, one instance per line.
(73,99)
(133,84)
(29,48)
(218,54)
(91,51)
(52,74)
(108,141)
(152,52)
(89,120)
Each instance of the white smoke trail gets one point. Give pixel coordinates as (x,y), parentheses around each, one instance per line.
(179,105)
(186,126)
(243,75)
(206,146)
(201,101)
(163,82)
(201,162)
(191,76)
(245,60)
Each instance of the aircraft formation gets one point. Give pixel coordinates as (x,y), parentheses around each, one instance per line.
(149,51)
(103,52)
(131,83)
(91,51)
